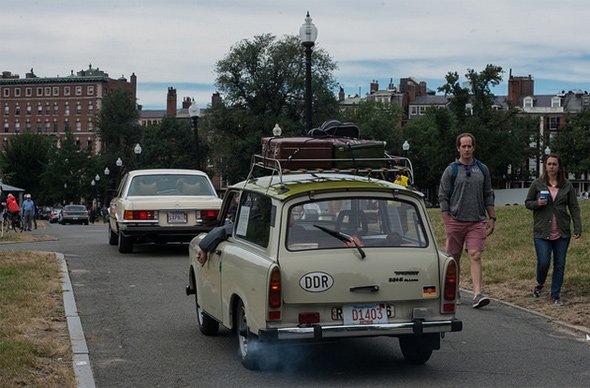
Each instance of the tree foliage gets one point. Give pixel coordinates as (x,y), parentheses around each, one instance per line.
(23,160)
(262,82)
(169,144)
(573,143)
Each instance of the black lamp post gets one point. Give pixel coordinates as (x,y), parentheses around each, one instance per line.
(406,148)
(119,164)
(194,112)
(308,34)
(107,185)
(137,150)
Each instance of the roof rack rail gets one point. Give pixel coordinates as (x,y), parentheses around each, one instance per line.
(357,166)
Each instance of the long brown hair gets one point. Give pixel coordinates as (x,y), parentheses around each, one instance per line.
(560,170)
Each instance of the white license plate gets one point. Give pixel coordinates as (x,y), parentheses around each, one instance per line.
(364,314)
(177,218)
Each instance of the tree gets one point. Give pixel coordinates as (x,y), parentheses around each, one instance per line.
(262,82)
(573,143)
(118,126)
(378,121)
(170,144)
(23,160)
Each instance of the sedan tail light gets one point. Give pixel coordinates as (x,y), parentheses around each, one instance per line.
(140,215)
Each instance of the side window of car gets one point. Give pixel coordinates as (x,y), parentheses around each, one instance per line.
(254,218)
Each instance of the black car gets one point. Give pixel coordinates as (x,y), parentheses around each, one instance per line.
(74,214)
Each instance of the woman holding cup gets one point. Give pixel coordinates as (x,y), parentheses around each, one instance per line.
(554,203)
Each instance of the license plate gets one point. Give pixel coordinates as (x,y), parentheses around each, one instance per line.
(177,218)
(364,314)
(74,218)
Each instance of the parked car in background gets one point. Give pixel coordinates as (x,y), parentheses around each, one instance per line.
(74,214)
(55,215)
(322,255)
(161,205)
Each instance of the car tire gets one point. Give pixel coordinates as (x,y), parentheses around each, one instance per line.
(125,244)
(416,350)
(207,325)
(113,238)
(248,345)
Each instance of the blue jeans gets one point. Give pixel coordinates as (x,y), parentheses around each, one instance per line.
(544,248)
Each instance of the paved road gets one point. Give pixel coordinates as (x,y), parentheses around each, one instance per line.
(141,332)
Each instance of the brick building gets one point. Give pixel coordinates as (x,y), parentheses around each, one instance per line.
(52,105)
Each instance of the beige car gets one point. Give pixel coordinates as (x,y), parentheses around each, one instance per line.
(161,205)
(319,256)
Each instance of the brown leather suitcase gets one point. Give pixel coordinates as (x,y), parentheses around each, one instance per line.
(296,153)
(357,153)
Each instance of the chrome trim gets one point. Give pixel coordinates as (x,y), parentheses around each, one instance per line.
(319,332)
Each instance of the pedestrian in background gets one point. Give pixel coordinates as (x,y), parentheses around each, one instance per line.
(465,195)
(550,197)
(28,210)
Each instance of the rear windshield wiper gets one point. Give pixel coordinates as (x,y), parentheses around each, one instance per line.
(342,237)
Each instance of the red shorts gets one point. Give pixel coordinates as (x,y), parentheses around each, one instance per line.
(472,235)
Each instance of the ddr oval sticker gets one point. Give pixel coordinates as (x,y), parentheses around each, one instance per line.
(316,281)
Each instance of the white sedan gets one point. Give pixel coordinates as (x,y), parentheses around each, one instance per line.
(161,205)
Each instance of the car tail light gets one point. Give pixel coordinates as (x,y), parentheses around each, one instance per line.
(274,294)
(450,288)
(140,215)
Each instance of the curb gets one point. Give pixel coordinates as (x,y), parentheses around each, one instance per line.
(581,329)
(80,359)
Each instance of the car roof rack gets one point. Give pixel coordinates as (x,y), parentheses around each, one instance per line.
(389,164)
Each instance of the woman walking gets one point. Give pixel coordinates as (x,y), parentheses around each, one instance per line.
(550,197)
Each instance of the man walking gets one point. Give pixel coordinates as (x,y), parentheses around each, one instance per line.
(28,210)
(465,195)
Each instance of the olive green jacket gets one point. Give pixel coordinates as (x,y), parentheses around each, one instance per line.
(543,215)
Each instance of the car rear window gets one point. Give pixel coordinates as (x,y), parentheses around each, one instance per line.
(373,222)
(169,184)
(75,208)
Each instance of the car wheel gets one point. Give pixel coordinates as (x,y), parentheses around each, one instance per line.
(249,346)
(125,244)
(207,325)
(416,350)
(113,238)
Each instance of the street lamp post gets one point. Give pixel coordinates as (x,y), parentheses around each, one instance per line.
(119,164)
(107,185)
(65,193)
(308,34)
(137,150)
(547,152)
(406,148)
(194,112)
(93,184)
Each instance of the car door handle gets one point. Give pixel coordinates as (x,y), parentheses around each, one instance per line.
(373,288)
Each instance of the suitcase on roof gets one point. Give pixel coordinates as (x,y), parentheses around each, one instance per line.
(296,153)
(359,153)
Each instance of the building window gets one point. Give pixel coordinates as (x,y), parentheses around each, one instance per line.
(48,91)
(555,102)
(90,126)
(78,108)
(55,108)
(527,102)
(17,127)
(586,101)
(28,126)
(66,91)
(66,125)
(56,90)
(17,92)
(422,110)
(413,110)
(47,109)
(47,127)
(6,126)
(6,92)
(6,109)
(28,111)
(89,144)
(67,109)
(39,109)
(90,107)
(39,92)
(553,123)
(28,92)
(78,142)
(17,109)
(78,125)
(78,90)
(91,90)
(55,127)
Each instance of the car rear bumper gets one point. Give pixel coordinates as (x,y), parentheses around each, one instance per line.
(155,230)
(319,332)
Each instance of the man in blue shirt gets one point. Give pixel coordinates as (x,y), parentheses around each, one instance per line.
(28,209)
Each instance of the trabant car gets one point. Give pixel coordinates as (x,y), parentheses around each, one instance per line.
(323,255)
(161,205)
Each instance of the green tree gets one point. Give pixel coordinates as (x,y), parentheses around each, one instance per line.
(118,127)
(262,82)
(377,121)
(23,161)
(573,143)
(169,144)
(68,173)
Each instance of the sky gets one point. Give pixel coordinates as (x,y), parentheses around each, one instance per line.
(176,43)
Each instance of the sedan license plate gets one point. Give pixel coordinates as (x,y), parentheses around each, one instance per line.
(364,314)
(177,218)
